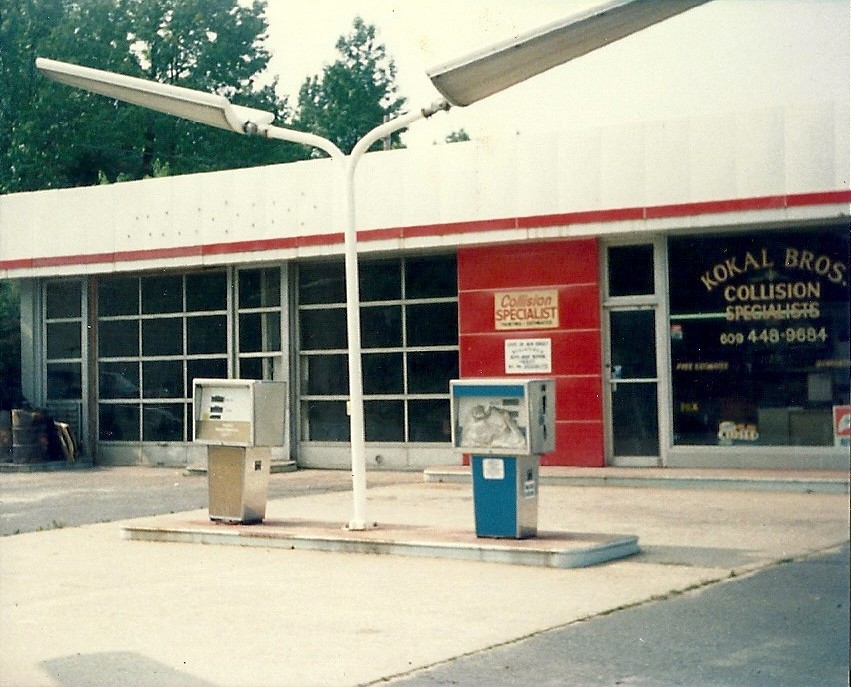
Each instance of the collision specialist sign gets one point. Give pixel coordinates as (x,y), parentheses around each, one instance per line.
(528,309)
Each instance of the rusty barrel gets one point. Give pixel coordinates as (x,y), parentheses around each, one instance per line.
(30,439)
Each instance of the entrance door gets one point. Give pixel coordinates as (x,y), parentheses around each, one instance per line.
(633,384)
(633,353)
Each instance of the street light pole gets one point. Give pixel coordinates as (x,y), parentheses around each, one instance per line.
(348,165)
(461,82)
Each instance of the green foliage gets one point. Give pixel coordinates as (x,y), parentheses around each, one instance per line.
(10,344)
(55,136)
(354,94)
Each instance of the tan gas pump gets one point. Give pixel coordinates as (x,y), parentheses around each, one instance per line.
(239,420)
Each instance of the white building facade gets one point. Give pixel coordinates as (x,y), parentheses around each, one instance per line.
(685,283)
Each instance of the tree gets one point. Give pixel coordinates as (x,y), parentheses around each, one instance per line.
(354,94)
(54,136)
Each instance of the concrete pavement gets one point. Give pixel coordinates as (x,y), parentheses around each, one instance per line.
(83,606)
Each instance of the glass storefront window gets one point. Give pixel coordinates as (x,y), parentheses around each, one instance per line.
(409,334)
(759,337)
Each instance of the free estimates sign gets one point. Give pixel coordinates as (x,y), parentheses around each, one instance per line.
(514,310)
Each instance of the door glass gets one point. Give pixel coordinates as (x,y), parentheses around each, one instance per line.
(635,420)
(635,416)
(633,334)
(631,270)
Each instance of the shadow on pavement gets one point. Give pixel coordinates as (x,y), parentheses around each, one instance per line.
(118,668)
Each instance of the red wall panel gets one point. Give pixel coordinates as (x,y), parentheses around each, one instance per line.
(578,398)
(569,267)
(519,265)
(581,444)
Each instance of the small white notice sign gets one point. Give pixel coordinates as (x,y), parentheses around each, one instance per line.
(528,356)
(493,468)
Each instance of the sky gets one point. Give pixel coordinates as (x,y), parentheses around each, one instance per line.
(725,56)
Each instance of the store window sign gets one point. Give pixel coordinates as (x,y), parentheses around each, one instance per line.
(536,309)
(759,337)
(842,425)
(770,296)
(730,433)
(793,294)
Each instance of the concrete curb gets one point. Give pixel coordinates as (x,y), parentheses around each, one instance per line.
(549,549)
(817,482)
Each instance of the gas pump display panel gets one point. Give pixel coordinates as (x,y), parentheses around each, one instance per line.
(503,416)
(236,412)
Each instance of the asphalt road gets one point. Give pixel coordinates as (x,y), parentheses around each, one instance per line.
(785,626)
(33,501)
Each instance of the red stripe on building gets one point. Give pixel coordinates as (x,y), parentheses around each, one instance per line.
(445,229)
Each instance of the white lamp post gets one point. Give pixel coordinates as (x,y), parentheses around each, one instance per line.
(461,82)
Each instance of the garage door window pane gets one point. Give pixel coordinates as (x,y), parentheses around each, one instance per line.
(207,334)
(260,288)
(325,375)
(162,336)
(64,381)
(432,324)
(163,422)
(162,379)
(323,329)
(429,372)
(162,294)
(118,338)
(384,421)
(119,296)
(118,380)
(327,420)
(259,332)
(119,422)
(63,340)
(381,327)
(206,291)
(63,300)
